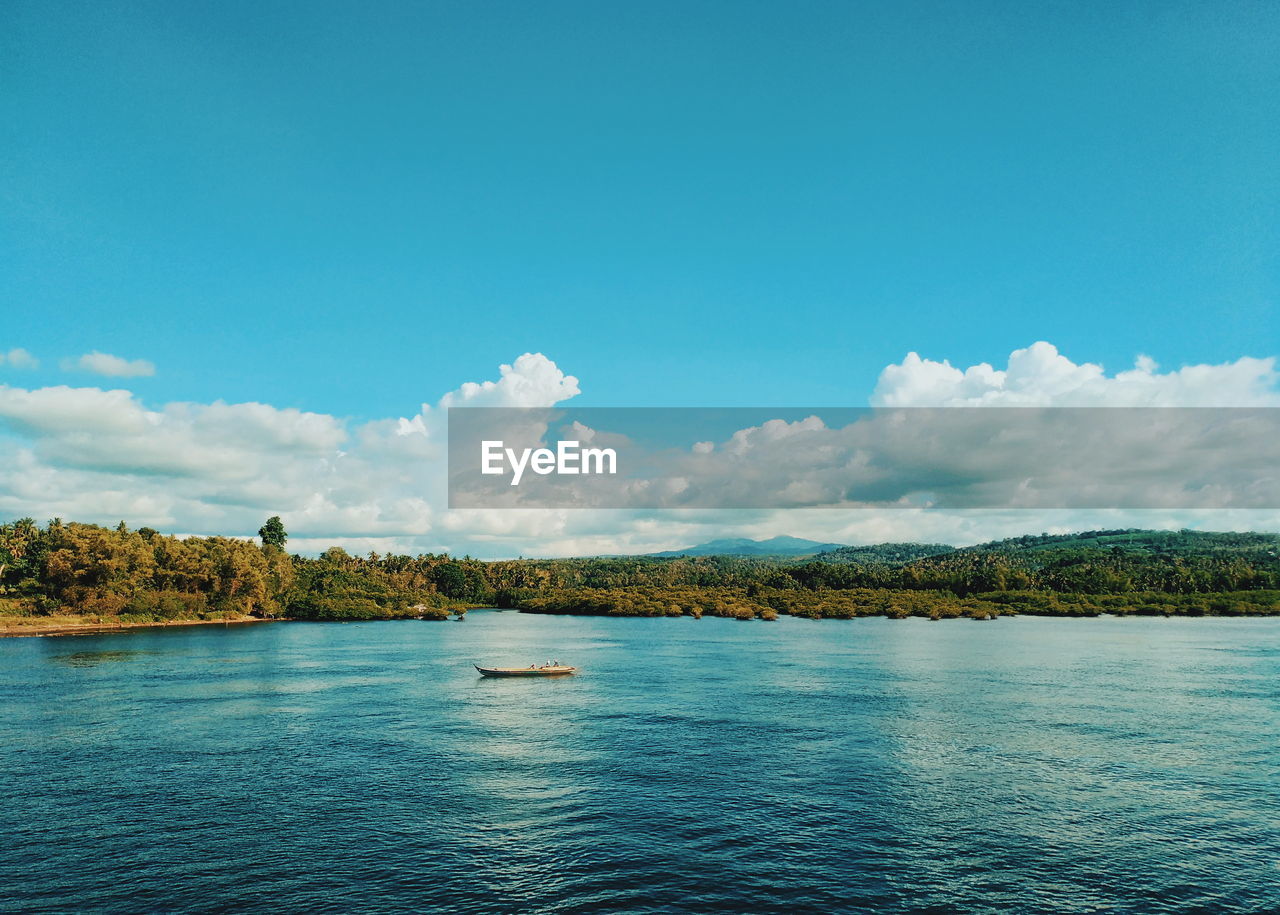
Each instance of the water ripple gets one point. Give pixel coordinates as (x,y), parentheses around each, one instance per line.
(1043,765)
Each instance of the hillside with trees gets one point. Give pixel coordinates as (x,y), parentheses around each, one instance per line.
(885,553)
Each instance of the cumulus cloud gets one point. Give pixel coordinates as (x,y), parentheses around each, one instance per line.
(112,431)
(19,358)
(1041,376)
(110,366)
(94,454)
(533,380)
(102,455)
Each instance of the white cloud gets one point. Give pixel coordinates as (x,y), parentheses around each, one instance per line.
(1031,464)
(1041,376)
(97,455)
(112,431)
(974,458)
(102,455)
(768,433)
(533,380)
(19,358)
(110,366)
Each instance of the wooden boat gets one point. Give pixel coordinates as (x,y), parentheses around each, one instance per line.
(549,671)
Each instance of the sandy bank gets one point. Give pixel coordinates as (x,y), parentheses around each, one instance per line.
(54,626)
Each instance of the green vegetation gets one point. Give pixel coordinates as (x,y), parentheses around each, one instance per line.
(897,604)
(886,553)
(273,532)
(118,575)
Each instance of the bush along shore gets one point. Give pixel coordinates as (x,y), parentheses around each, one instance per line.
(65,575)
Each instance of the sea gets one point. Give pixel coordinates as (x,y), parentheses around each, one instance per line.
(1018,765)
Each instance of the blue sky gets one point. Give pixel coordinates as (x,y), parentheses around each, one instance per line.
(350,208)
(274,230)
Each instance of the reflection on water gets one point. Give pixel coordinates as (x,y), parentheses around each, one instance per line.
(900,766)
(94,658)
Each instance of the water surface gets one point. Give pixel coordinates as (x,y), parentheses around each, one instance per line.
(693,765)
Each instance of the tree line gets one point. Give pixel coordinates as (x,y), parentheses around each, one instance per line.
(142,575)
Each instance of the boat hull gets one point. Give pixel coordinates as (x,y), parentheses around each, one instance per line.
(524,671)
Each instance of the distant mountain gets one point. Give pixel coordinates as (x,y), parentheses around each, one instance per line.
(1035,549)
(774,546)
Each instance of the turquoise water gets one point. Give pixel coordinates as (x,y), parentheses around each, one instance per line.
(703,765)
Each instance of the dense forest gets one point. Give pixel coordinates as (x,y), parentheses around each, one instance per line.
(121,574)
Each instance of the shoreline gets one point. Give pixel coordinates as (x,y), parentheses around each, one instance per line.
(10,631)
(93,628)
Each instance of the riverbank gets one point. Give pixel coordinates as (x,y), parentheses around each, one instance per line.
(17,627)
